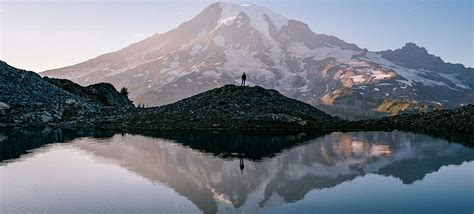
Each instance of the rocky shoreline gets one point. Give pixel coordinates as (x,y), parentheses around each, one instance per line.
(455,125)
(452,124)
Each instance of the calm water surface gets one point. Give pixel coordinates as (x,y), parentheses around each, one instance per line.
(53,171)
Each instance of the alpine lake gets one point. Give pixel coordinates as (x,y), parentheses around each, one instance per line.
(64,171)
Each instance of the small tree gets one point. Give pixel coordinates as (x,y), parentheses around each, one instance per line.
(124,92)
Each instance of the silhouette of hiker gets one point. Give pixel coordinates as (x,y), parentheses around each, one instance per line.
(244,77)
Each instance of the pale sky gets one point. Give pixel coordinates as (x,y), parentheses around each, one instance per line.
(40,35)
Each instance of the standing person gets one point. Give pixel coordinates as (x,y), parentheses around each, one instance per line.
(244,77)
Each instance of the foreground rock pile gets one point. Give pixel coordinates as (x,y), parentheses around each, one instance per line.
(27,99)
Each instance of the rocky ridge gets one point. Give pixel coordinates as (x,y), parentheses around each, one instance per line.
(228,107)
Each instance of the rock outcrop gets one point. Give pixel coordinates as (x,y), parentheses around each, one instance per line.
(27,99)
(103,94)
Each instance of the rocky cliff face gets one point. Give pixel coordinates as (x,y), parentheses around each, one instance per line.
(28,99)
(224,40)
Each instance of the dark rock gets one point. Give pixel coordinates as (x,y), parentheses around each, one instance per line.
(29,100)
(103,93)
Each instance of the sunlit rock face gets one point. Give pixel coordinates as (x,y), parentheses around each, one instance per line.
(225,40)
(217,184)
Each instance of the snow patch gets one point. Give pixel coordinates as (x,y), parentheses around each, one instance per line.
(138,75)
(242,60)
(453,78)
(212,74)
(228,20)
(255,13)
(219,40)
(410,75)
(358,79)
(299,49)
(195,49)
(304,88)
(258,21)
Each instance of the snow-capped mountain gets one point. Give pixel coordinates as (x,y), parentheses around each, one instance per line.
(225,40)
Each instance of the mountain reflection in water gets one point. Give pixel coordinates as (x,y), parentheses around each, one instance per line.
(229,172)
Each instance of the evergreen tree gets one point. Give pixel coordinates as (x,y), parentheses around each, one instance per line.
(124,92)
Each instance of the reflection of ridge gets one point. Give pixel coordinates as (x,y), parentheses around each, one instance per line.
(216,184)
(241,165)
(16,142)
(253,146)
(413,170)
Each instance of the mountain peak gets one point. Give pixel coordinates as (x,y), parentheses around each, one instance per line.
(257,14)
(412,47)
(416,57)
